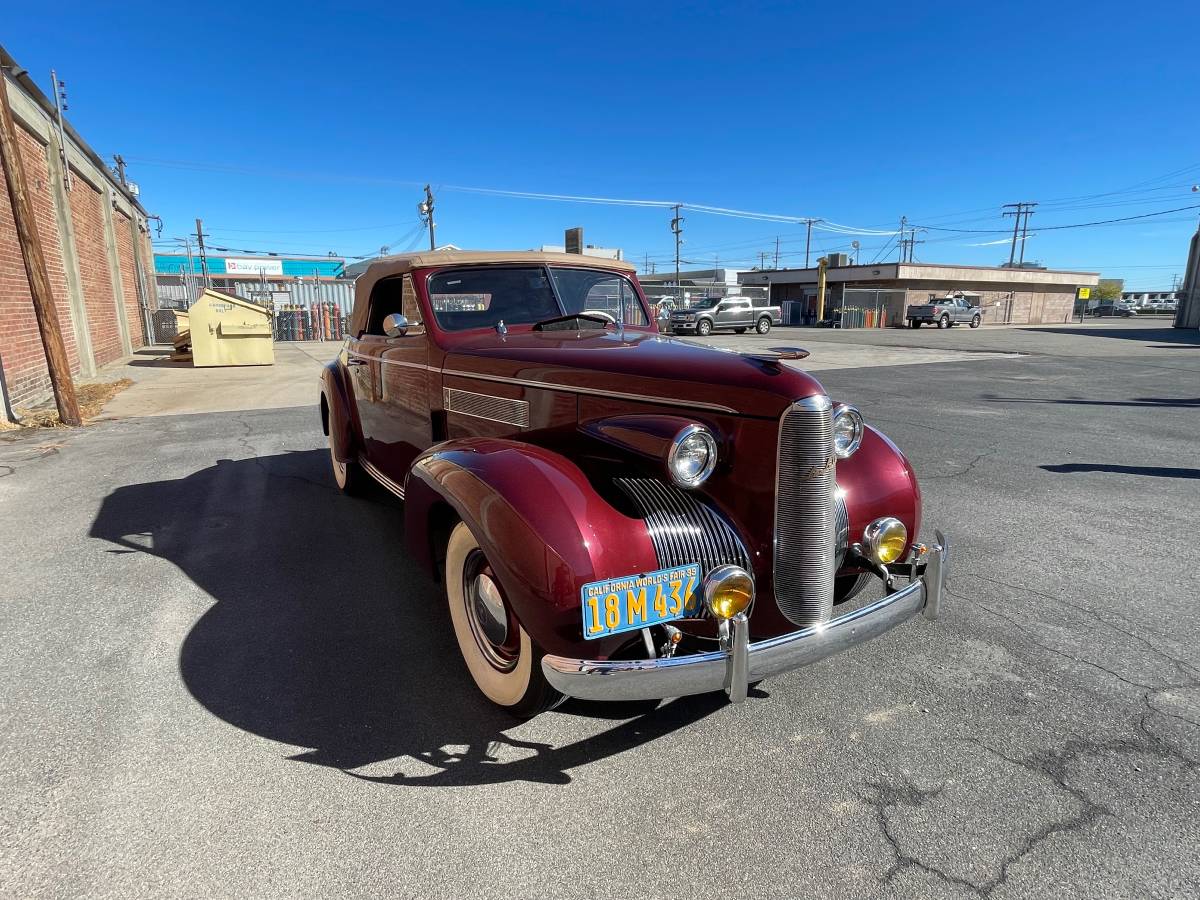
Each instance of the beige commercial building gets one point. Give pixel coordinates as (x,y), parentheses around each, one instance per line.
(1007,296)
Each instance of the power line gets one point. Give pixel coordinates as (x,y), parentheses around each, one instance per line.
(1162,212)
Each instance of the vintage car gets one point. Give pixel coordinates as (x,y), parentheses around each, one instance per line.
(615,514)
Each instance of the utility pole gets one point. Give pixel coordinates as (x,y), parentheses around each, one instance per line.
(854,245)
(808,240)
(762,259)
(119,161)
(1020,213)
(903,241)
(203,256)
(59,89)
(35,267)
(912,244)
(776,251)
(1025,229)
(677,230)
(425,208)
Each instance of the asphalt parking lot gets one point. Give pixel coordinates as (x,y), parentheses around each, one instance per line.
(222,678)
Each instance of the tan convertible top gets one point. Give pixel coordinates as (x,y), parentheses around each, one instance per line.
(387,266)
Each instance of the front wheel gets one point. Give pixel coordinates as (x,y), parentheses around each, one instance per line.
(704,328)
(348,476)
(763,326)
(944,322)
(503,660)
(975,322)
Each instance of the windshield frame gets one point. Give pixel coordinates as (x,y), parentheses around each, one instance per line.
(546,268)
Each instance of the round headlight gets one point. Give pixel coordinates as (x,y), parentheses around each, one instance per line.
(847,430)
(885,539)
(728,590)
(692,457)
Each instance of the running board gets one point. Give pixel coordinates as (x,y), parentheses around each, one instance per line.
(383,480)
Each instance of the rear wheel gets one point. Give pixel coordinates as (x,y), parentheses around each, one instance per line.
(704,328)
(503,660)
(915,324)
(763,326)
(944,322)
(975,322)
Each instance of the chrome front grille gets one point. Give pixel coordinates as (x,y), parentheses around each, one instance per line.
(682,528)
(805,512)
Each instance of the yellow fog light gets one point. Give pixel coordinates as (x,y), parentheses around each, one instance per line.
(885,539)
(728,590)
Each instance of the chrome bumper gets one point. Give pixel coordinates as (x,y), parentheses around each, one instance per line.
(739,662)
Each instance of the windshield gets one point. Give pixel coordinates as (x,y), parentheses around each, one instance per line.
(480,298)
(705,302)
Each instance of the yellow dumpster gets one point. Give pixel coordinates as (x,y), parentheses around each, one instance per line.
(228,331)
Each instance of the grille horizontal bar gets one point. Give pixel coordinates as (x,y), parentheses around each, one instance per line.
(805,512)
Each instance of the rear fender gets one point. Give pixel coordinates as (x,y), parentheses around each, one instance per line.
(544,529)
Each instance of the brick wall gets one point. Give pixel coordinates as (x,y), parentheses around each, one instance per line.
(20,342)
(87,220)
(133,312)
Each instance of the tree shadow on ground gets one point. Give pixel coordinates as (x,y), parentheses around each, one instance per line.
(1152,471)
(323,634)
(1168,336)
(1147,402)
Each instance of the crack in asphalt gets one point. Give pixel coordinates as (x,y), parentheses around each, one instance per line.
(8,470)
(253,454)
(971,465)
(1153,744)
(1052,764)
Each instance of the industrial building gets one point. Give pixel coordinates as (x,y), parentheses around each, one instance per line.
(1006,295)
(94,238)
(281,279)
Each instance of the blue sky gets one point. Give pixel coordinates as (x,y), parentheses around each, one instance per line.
(295,128)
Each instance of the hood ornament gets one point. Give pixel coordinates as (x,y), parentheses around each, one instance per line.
(778,354)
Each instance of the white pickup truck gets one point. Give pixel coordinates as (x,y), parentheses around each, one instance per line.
(944,312)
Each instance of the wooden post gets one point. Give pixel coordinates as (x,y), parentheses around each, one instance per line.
(35,266)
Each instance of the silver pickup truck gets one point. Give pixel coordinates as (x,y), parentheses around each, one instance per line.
(706,315)
(944,312)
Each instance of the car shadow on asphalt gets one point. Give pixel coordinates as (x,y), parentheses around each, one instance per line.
(324,634)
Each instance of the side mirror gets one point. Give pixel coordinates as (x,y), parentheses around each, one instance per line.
(395,325)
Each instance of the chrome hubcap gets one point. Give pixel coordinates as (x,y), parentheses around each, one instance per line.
(488,615)
(489,609)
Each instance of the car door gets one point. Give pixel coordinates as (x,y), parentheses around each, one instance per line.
(745,314)
(396,420)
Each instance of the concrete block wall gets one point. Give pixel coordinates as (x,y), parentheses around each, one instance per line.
(94,238)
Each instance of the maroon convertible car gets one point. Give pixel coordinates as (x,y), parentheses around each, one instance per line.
(615,514)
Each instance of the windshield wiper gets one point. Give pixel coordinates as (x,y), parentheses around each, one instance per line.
(573,322)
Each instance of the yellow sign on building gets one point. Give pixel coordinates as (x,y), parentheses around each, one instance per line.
(1085,293)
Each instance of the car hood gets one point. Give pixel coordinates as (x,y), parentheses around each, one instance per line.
(635,365)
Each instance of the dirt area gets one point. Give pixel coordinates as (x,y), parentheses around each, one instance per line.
(92,397)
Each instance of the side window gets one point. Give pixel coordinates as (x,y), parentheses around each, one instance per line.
(394,295)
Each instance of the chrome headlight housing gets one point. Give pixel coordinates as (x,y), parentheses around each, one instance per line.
(692,456)
(848,429)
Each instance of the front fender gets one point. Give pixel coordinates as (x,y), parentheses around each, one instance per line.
(545,530)
(878,481)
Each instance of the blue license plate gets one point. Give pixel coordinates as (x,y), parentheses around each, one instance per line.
(637,601)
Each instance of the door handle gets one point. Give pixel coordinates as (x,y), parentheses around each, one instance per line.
(355,361)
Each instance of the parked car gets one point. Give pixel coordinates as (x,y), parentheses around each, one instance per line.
(739,313)
(944,313)
(615,516)
(1110,308)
